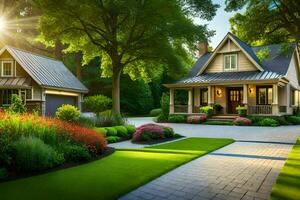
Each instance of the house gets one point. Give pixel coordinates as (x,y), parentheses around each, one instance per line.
(43,83)
(234,75)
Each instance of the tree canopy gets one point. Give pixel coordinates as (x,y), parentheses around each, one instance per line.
(266,21)
(136,37)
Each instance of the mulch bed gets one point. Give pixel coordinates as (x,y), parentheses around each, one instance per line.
(14,175)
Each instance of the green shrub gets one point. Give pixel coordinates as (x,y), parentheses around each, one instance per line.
(121,131)
(108,119)
(293,120)
(207,110)
(101,130)
(218,108)
(3,173)
(168,132)
(111,131)
(97,103)
(17,105)
(6,149)
(112,139)
(32,154)
(268,122)
(177,118)
(165,106)
(75,153)
(242,111)
(280,119)
(130,129)
(68,113)
(155,112)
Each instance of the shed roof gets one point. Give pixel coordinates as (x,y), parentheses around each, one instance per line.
(47,72)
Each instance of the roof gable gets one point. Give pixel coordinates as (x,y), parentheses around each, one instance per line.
(243,47)
(45,71)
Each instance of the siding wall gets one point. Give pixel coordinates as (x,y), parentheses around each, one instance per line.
(293,72)
(216,65)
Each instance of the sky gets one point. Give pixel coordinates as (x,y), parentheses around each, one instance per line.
(220,23)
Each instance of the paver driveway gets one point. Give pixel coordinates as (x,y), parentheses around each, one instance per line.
(246,169)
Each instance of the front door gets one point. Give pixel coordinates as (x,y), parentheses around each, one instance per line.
(235,98)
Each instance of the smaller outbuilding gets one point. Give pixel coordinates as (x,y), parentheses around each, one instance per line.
(43,83)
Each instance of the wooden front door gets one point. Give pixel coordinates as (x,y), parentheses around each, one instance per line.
(235,98)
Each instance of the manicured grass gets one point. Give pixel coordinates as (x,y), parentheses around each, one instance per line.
(288,181)
(112,176)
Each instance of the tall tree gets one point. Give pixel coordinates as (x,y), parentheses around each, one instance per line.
(270,20)
(136,37)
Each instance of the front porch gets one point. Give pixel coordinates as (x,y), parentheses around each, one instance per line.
(259,99)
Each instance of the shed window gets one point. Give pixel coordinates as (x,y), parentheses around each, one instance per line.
(7,68)
(230,62)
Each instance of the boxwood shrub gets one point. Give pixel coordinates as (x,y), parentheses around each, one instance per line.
(155,112)
(268,122)
(130,129)
(121,131)
(113,139)
(293,120)
(111,131)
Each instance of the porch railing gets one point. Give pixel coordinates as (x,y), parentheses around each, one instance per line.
(180,108)
(260,109)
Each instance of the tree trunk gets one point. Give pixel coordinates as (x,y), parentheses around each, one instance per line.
(116,92)
(78,57)
(58,50)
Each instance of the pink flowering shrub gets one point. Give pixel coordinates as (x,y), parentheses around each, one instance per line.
(148,132)
(242,121)
(196,119)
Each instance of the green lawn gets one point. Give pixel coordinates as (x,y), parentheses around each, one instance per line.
(112,176)
(288,181)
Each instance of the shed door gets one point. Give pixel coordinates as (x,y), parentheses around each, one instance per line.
(55,101)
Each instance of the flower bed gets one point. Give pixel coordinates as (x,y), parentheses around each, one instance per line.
(45,142)
(242,121)
(195,119)
(153,132)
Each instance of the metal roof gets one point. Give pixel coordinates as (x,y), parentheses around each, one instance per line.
(18,82)
(232,76)
(47,72)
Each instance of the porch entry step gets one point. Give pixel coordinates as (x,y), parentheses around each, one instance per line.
(222,117)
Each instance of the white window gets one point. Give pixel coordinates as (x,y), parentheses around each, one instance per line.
(230,62)
(7,68)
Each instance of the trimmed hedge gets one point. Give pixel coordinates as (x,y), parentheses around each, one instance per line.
(155,112)
(113,139)
(177,118)
(111,131)
(293,120)
(130,129)
(121,131)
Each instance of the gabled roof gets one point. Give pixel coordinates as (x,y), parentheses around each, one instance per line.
(244,48)
(46,72)
(276,62)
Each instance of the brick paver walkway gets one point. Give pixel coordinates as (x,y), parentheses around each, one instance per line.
(243,170)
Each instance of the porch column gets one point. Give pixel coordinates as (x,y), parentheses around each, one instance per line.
(171,110)
(275,109)
(209,95)
(245,95)
(190,103)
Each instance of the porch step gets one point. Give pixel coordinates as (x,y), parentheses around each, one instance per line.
(223,117)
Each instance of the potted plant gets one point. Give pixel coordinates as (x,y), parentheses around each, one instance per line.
(242,111)
(207,110)
(218,108)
